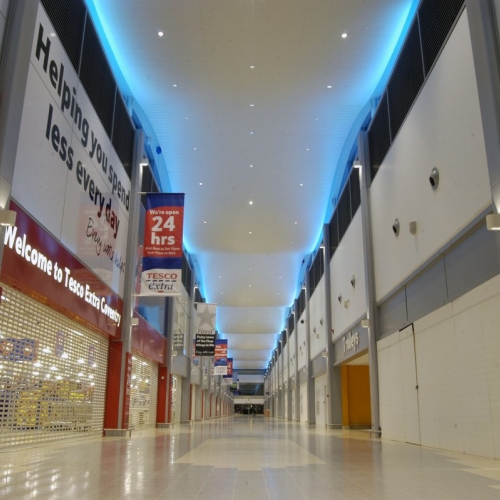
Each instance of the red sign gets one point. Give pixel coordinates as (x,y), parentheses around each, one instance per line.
(163,229)
(36,262)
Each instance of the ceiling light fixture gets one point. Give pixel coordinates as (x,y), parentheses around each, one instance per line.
(344,35)
(174,85)
(250,202)
(200,183)
(329,86)
(7,217)
(493,222)
(252,66)
(251,166)
(160,33)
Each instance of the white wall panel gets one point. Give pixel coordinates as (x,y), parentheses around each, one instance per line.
(391,388)
(442,130)
(293,356)
(409,386)
(320,400)
(316,317)
(74,198)
(303,403)
(457,350)
(301,332)
(346,263)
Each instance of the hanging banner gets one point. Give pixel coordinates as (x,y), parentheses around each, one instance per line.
(204,329)
(229,376)
(162,253)
(220,357)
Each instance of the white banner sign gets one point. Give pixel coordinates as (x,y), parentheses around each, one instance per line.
(67,173)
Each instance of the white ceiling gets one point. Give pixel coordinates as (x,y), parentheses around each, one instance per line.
(272,135)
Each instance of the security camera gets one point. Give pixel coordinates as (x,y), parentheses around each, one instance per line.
(434,178)
(395,227)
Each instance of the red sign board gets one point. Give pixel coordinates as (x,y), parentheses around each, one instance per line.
(36,262)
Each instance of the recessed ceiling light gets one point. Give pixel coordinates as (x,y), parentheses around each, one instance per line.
(295,222)
(344,35)
(160,33)
(174,85)
(200,183)
(221,293)
(250,202)
(307,149)
(329,86)
(249,286)
(249,232)
(252,67)
(251,166)
(204,222)
(251,133)
(194,149)
(252,105)
(301,184)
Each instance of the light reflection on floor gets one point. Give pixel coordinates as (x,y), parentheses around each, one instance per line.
(245,458)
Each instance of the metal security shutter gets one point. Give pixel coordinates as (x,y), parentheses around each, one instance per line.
(143,392)
(176,398)
(52,374)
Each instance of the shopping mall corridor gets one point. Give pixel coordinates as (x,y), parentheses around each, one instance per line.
(245,458)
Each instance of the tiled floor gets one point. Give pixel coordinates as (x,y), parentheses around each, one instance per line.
(245,458)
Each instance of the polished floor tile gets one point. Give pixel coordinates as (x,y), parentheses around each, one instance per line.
(240,458)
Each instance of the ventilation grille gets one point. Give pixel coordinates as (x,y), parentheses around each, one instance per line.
(333,231)
(290,324)
(316,271)
(355,190)
(436,19)
(348,204)
(123,138)
(431,27)
(406,81)
(379,136)
(68,19)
